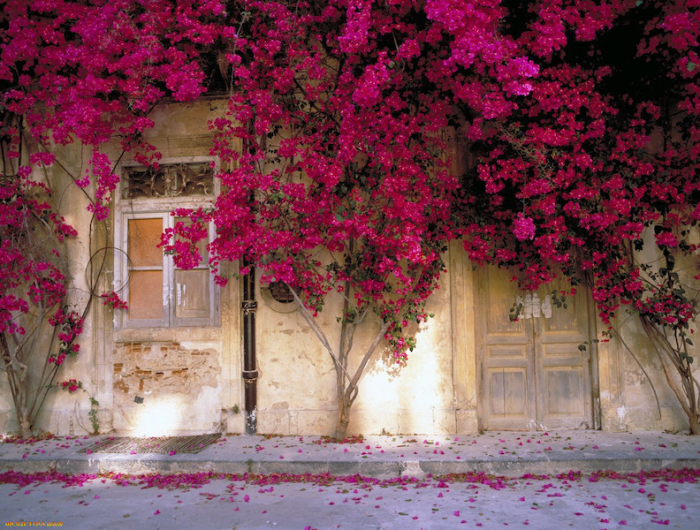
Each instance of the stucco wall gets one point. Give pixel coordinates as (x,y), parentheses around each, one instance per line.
(179,379)
(297,387)
(64,412)
(635,407)
(189,379)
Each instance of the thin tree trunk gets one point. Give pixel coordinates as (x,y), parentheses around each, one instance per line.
(341,426)
(689,410)
(350,392)
(19,392)
(343,420)
(345,392)
(686,396)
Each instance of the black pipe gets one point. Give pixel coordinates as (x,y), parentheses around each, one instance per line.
(250,371)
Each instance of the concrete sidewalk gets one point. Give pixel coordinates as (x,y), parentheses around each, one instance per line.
(509,454)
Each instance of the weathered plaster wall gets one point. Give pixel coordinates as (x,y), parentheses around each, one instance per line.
(297,386)
(418,397)
(189,379)
(64,412)
(296,382)
(162,386)
(180,379)
(636,407)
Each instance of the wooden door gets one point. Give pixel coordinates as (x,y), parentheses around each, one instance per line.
(532,374)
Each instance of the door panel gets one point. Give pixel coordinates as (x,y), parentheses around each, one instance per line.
(564,391)
(563,370)
(508,392)
(507,357)
(533,374)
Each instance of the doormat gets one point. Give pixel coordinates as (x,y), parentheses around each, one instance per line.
(159,445)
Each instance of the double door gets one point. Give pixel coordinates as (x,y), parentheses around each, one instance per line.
(533,374)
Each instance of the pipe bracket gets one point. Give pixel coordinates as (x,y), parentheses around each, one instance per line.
(249,306)
(250,376)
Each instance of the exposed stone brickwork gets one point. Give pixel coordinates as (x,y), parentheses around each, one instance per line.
(162,367)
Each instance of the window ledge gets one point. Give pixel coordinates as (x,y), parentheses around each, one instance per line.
(185,333)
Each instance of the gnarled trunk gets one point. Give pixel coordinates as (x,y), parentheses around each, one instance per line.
(341,426)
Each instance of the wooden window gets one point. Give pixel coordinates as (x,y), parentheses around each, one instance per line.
(158,293)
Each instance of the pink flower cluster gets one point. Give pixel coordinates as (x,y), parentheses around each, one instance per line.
(113,300)
(71,385)
(523,228)
(70,325)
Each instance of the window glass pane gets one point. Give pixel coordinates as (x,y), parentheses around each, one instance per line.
(192,293)
(145,295)
(144,237)
(201,245)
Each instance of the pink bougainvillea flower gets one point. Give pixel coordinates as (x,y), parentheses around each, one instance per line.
(523,227)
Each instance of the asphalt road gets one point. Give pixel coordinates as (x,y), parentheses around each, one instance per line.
(400,505)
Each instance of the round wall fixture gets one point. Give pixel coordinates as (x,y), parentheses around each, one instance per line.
(278,297)
(280,292)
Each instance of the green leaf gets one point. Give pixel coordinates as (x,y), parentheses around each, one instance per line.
(671,261)
(689,342)
(639,3)
(582,347)
(691,66)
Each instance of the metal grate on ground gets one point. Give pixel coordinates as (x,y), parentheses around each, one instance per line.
(160,445)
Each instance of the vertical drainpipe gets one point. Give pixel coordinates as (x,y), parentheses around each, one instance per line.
(250,371)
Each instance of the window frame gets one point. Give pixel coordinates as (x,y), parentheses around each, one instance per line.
(152,208)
